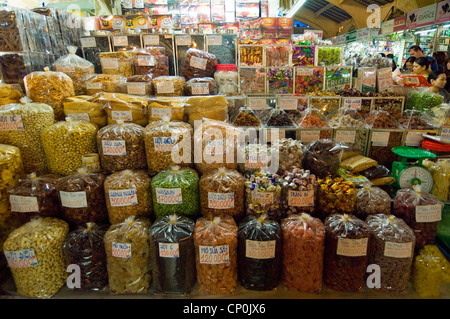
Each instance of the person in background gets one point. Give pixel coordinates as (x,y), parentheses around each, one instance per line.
(447,72)
(440,59)
(408,66)
(394,65)
(421,66)
(438,80)
(416,51)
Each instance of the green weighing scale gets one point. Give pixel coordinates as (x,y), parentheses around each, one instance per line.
(408,173)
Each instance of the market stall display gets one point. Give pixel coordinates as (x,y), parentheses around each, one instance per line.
(117,63)
(263,195)
(334,196)
(313,126)
(85,108)
(140,85)
(125,107)
(299,191)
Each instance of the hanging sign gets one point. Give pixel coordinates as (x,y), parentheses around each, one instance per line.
(421,17)
(387,27)
(443,11)
(351,36)
(363,34)
(399,24)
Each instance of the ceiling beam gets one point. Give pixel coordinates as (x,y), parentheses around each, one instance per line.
(328,6)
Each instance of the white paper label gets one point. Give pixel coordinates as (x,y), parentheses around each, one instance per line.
(11,123)
(120,41)
(260,249)
(352,247)
(146,60)
(164,143)
(110,63)
(354,104)
(214,255)
(65,69)
(121,115)
(398,250)
(169,250)
(214,147)
(165,87)
(73,199)
(428,213)
(256,160)
(198,63)
(288,104)
(309,136)
(301,198)
(220,200)
(380,138)
(122,197)
(160,112)
(136,88)
(215,40)
(257,104)
(94,86)
(171,196)
(183,40)
(151,40)
(200,89)
(305,71)
(88,42)
(79,117)
(262,198)
(413,139)
(121,250)
(114,148)
(23,204)
(21,258)
(345,136)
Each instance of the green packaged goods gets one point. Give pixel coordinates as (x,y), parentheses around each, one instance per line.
(423,101)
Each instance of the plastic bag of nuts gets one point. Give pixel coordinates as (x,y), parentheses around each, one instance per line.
(85,108)
(371,200)
(175,191)
(127,246)
(263,195)
(298,194)
(346,252)
(391,248)
(323,157)
(82,198)
(173,254)
(259,253)
(35,196)
(303,252)
(128,194)
(11,169)
(23,125)
(290,153)
(169,85)
(84,247)
(66,142)
(351,129)
(35,257)
(421,211)
(200,86)
(215,241)
(121,146)
(335,196)
(222,193)
(198,64)
(161,138)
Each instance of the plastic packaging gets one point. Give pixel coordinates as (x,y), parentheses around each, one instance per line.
(85,108)
(173,254)
(278,118)
(175,191)
(303,56)
(127,246)
(323,157)
(246,117)
(9,94)
(50,88)
(357,163)
(117,63)
(263,195)
(128,194)
(65,142)
(216,241)
(371,200)
(76,68)
(290,153)
(255,157)
(226,77)
(200,86)
(423,100)
(34,254)
(280,80)
(129,108)
(314,126)
(347,239)
(121,146)
(392,249)
(84,247)
(140,85)
(169,85)
(298,195)
(152,61)
(335,196)
(11,169)
(259,253)
(82,198)
(213,107)
(252,80)
(106,83)
(303,252)
(198,64)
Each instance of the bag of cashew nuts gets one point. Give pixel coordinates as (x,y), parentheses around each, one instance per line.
(215,240)
(222,193)
(127,246)
(198,64)
(371,200)
(127,194)
(391,248)
(346,252)
(35,257)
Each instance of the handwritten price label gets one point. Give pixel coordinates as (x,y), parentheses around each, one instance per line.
(21,258)
(345,136)
(198,63)
(214,255)
(151,40)
(428,213)
(123,197)
(301,198)
(260,249)
(262,198)
(11,123)
(309,136)
(169,196)
(352,247)
(121,250)
(398,250)
(200,88)
(121,115)
(73,199)
(220,200)
(23,204)
(164,143)
(165,87)
(169,250)
(114,148)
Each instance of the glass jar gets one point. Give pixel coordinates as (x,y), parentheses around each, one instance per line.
(225,74)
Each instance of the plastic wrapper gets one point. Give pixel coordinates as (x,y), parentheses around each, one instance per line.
(224,48)
(308,79)
(216,241)
(417,120)
(9,94)
(314,126)
(140,85)
(121,146)
(280,80)
(76,68)
(127,246)
(175,191)
(151,61)
(200,86)
(84,108)
(279,118)
(421,211)
(171,107)
(256,157)
(347,239)
(50,88)
(251,55)
(423,100)
(290,153)
(117,63)
(173,254)
(376,172)
(335,196)
(198,64)
(22,127)
(35,258)
(263,195)
(125,107)
(11,169)
(357,163)
(392,249)
(246,117)
(303,252)
(91,51)
(441,178)
(128,193)
(259,253)
(84,247)
(323,157)
(252,80)
(169,85)
(13,35)
(222,193)
(66,142)
(299,188)
(212,107)
(110,83)
(278,55)
(329,55)
(371,200)
(303,56)
(15,66)
(82,198)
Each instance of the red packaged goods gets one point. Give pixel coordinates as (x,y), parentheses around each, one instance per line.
(199,64)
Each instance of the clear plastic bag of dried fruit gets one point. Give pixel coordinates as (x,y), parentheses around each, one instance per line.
(259,253)
(127,246)
(417,120)
(440,171)
(198,64)
(421,211)
(246,117)
(35,196)
(290,153)
(166,140)
(314,126)
(323,157)
(76,68)
(200,86)
(84,247)
(346,252)
(173,254)
(168,85)
(222,193)
(140,85)
(391,248)
(152,60)
(371,200)
(82,198)
(121,146)
(215,240)
(303,252)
